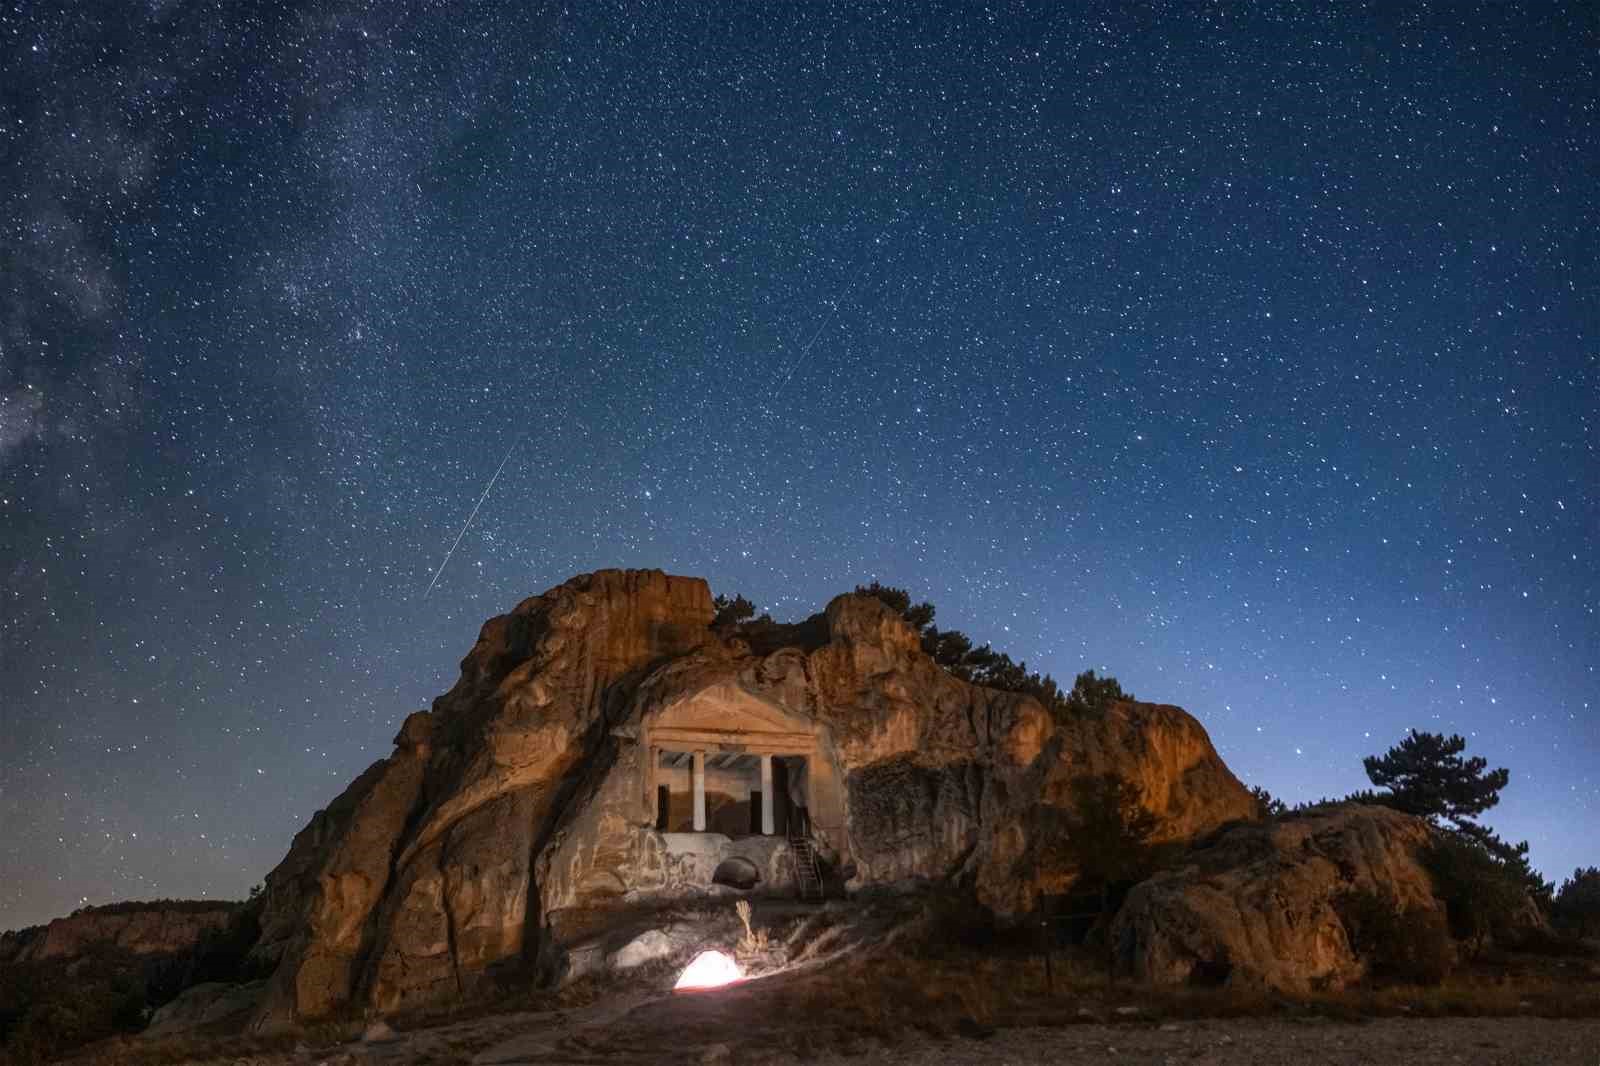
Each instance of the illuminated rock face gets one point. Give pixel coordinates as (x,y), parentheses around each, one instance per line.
(1260,905)
(710,969)
(519,816)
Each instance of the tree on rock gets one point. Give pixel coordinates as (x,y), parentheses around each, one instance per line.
(1577,905)
(983,665)
(1092,694)
(1107,833)
(731,612)
(1426,776)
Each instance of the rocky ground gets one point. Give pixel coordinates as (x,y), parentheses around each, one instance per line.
(822,1017)
(609,1035)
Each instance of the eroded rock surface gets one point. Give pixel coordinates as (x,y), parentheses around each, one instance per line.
(520,814)
(1259,906)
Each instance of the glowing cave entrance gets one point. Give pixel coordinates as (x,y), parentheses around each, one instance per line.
(723,761)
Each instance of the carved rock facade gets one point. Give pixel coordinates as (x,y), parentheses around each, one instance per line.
(542,798)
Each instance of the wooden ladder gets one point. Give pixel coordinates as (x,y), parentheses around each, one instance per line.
(807,877)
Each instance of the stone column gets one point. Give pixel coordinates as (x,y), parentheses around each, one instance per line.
(766,795)
(652,768)
(698,772)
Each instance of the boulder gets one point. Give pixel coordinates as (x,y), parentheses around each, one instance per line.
(213,1004)
(1260,904)
(736,872)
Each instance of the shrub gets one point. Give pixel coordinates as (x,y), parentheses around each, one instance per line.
(1268,805)
(731,612)
(1093,695)
(985,666)
(1576,908)
(1482,897)
(754,941)
(1104,835)
(1411,946)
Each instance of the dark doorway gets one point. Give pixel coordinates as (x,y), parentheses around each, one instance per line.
(780,795)
(756,799)
(663,807)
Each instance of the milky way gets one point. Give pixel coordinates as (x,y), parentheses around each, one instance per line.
(1246,352)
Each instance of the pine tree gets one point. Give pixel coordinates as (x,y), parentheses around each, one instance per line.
(1108,830)
(1426,776)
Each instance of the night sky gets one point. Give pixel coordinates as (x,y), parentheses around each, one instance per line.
(1246,351)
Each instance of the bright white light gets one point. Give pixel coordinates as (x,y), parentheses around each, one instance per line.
(710,969)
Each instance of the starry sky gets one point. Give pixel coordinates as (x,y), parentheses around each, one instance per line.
(1247,351)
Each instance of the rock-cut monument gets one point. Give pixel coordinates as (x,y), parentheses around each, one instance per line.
(606,750)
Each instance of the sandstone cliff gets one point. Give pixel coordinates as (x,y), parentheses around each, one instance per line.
(520,813)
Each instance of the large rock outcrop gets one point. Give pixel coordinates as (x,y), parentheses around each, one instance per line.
(137,928)
(1260,905)
(520,814)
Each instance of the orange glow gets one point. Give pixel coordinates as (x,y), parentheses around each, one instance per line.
(710,969)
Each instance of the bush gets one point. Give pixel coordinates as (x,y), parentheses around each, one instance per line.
(1268,805)
(731,612)
(984,666)
(1410,946)
(1483,898)
(1576,908)
(1093,695)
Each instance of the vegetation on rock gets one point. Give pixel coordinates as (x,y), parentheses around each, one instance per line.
(1108,830)
(1481,897)
(983,665)
(1268,805)
(1425,775)
(731,612)
(1576,907)
(1401,944)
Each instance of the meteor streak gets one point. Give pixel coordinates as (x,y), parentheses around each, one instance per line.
(474,514)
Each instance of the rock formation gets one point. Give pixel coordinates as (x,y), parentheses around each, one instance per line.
(1260,904)
(520,814)
(140,929)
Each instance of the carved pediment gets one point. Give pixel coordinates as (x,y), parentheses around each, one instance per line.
(726,708)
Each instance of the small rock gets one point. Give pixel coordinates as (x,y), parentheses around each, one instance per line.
(379,1032)
(1171,1027)
(716,1055)
(1129,1012)
(973,1029)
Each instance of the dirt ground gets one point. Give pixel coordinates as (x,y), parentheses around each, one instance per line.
(837,998)
(713,1029)
(726,1027)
